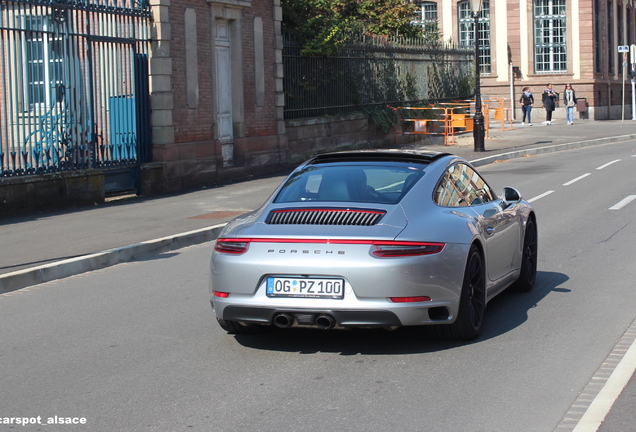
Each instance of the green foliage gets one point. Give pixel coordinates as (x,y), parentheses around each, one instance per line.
(324,25)
(384,118)
(467,83)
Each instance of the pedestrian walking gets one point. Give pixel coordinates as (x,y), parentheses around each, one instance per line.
(549,98)
(569,100)
(527,102)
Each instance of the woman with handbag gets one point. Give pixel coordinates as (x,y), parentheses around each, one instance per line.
(569,100)
(549,98)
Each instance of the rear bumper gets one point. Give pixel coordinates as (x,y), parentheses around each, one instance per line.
(308,317)
(401,315)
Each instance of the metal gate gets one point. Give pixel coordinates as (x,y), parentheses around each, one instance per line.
(74,88)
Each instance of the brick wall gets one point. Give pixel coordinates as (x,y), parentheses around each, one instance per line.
(191,124)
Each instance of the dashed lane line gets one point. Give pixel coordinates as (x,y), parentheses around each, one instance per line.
(608,164)
(545,194)
(623,202)
(576,179)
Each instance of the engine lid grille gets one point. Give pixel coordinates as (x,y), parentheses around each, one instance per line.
(325,216)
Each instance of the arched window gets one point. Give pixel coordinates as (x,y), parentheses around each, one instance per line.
(467,32)
(550,36)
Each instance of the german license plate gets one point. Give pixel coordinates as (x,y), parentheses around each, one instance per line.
(305,287)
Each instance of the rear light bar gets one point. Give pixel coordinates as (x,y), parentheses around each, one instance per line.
(383,248)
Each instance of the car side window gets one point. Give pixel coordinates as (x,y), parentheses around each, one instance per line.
(460,186)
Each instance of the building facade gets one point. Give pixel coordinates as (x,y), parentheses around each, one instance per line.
(536,42)
(216,89)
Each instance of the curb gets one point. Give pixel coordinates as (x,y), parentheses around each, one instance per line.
(73,266)
(550,149)
(61,269)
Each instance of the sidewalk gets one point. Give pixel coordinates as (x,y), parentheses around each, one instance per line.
(46,246)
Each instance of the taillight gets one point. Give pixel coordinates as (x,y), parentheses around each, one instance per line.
(410,299)
(231,246)
(220,294)
(400,249)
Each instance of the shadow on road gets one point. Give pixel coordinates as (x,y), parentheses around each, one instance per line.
(506,312)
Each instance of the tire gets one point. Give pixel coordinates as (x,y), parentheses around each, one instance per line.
(528,273)
(235,327)
(472,301)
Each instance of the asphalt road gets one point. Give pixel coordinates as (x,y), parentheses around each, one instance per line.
(134,347)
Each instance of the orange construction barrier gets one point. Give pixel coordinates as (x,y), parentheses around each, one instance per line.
(501,114)
(447,119)
(439,119)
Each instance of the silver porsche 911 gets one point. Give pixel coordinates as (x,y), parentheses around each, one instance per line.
(374,239)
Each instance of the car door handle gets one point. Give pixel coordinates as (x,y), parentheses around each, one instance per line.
(490,230)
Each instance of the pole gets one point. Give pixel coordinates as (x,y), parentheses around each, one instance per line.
(478,121)
(512,92)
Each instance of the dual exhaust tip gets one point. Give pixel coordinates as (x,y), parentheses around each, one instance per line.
(323,321)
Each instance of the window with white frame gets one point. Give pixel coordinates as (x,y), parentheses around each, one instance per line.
(467,32)
(427,16)
(550,36)
(610,37)
(629,34)
(619,25)
(42,63)
(598,54)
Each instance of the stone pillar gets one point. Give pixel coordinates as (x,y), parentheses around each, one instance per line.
(278,52)
(161,97)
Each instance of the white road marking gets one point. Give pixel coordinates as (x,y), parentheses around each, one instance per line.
(540,196)
(602,403)
(576,179)
(623,202)
(608,164)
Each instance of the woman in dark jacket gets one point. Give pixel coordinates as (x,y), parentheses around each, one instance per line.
(549,103)
(527,102)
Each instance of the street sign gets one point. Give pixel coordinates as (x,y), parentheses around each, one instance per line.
(623,48)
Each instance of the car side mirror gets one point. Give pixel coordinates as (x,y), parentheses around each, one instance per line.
(511,196)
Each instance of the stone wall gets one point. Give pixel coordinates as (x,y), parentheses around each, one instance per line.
(307,137)
(50,191)
(256,155)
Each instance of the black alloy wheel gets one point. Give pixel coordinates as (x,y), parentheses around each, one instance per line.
(528,273)
(472,303)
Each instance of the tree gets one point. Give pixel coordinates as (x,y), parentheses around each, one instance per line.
(322,25)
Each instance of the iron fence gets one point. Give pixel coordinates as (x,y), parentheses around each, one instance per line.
(74,85)
(372,71)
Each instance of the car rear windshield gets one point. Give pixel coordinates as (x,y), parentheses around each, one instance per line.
(349,183)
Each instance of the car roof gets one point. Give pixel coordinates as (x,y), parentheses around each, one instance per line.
(408,156)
